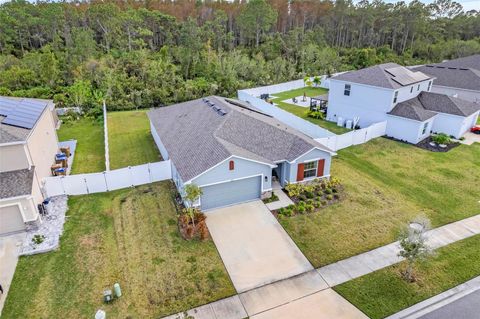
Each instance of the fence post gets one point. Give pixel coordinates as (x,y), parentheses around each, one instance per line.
(86,185)
(131,176)
(106,183)
(63,186)
(149,173)
(105,138)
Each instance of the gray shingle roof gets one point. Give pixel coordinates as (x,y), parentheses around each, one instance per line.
(427,104)
(412,109)
(463,78)
(14,133)
(378,76)
(16,183)
(468,62)
(197,137)
(442,103)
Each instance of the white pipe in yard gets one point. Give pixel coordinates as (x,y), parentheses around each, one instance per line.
(105,133)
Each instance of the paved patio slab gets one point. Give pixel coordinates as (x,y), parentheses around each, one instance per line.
(326,304)
(254,247)
(282,292)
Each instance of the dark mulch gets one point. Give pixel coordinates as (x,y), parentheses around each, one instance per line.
(425,144)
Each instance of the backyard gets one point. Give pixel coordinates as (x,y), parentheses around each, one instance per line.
(129,138)
(130,141)
(386,184)
(384,292)
(128,236)
(302,112)
(90,152)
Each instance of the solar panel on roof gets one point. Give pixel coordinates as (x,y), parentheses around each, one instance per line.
(23,113)
(405,77)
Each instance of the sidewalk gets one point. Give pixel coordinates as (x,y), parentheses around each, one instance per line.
(297,293)
(9,249)
(357,266)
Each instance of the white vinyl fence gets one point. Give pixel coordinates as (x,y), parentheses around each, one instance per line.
(356,137)
(108,180)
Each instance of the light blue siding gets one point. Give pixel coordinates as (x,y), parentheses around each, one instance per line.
(314,154)
(243,168)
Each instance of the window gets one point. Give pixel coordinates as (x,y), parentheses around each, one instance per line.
(425,126)
(310,169)
(231,165)
(411,89)
(346,91)
(395,97)
(429,85)
(418,87)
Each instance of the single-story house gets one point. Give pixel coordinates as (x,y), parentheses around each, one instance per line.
(233,151)
(458,77)
(28,144)
(400,97)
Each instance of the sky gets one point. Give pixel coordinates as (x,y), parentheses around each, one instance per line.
(467,4)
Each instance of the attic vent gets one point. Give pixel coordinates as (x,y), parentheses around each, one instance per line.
(211,104)
(452,68)
(441,67)
(215,108)
(205,100)
(463,69)
(429,66)
(221,112)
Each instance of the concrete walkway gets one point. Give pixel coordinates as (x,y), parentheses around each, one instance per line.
(357,266)
(283,199)
(309,295)
(9,249)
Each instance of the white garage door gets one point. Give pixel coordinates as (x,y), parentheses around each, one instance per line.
(230,193)
(11,219)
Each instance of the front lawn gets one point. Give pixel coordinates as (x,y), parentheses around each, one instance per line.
(384,292)
(303,111)
(128,236)
(90,151)
(129,138)
(386,184)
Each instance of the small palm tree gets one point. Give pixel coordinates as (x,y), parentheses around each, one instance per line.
(317,81)
(192,194)
(308,83)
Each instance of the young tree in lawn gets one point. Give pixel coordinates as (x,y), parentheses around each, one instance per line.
(413,245)
(192,194)
(308,83)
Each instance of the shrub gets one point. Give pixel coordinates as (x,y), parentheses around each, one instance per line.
(302,197)
(38,239)
(281,211)
(324,202)
(294,190)
(316,115)
(301,203)
(334,190)
(328,191)
(441,138)
(317,204)
(329,197)
(309,208)
(309,201)
(291,207)
(309,194)
(301,209)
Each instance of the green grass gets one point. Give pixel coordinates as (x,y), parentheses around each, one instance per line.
(90,152)
(302,111)
(130,141)
(387,183)
(128,236)
(384,292)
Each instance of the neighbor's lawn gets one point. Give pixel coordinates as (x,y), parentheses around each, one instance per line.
(128,236)
(302,111)
(384,292)
(129,139)
(90,152)
(386,184)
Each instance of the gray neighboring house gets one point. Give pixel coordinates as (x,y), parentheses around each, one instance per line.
(233,151)
(458,77)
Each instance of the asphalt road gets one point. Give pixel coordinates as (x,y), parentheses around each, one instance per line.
(467,307)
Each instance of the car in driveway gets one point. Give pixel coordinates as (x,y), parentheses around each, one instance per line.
(475,129)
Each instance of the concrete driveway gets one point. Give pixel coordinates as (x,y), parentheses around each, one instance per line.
(254,247)
(470,138)
(326,304)
(9,249)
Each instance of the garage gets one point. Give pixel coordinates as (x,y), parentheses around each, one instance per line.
(11,219)
(230,193)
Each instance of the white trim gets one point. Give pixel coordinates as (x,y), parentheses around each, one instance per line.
(15,197)
(308,179)
(219,163)
(13,143)
(295,160)
(379,87)
(454,88)
(412,120)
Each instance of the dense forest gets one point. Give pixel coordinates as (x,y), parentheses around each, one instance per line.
(144,53)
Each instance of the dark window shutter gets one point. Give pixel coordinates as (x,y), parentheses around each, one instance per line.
(300,170)
(231,165)
(321,168)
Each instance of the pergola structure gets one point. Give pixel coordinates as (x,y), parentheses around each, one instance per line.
(319,103)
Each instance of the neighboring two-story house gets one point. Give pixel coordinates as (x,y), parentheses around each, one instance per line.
(28,144)
(458,77)
(401,97)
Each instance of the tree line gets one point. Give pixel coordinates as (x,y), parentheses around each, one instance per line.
(148,53)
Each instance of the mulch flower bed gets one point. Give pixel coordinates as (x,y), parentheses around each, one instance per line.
(425,144)
(196,229)
(311,197)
